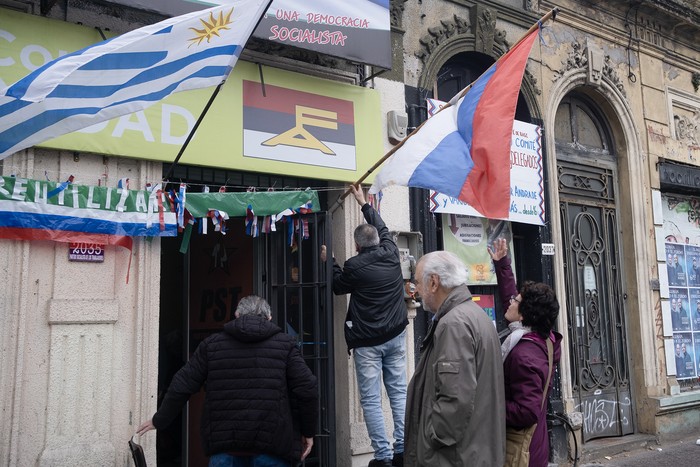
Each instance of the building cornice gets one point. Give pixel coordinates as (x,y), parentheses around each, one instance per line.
(657,24)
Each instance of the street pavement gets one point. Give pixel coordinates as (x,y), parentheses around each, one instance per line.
(684,453)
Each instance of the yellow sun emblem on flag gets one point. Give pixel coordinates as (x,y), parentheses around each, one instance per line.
(211,27)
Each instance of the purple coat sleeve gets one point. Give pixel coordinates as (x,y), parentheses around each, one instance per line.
(505,279)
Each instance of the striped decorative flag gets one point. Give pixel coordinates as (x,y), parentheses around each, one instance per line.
(299,127)
(463,151)
(36,210)
(126,74)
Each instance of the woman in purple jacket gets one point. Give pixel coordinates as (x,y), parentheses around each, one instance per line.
(531,315)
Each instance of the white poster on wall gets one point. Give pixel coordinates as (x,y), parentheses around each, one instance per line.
(526,182)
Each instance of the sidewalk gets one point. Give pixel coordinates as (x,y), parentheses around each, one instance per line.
(645,452)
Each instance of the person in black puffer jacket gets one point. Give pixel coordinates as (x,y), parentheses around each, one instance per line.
(261,399)
(375,328)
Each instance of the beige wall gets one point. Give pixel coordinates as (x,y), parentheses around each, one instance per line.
(78,344)
(352,442)
(640,111)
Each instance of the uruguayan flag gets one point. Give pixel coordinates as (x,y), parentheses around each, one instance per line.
(126,74)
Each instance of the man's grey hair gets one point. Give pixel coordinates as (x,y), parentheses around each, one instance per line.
(445,265)
(254,305)
(366,235)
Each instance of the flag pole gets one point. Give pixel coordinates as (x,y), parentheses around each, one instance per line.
(209,103)
(194,128)
(549,15)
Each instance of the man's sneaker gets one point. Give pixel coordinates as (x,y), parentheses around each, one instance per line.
(397,461)
(380,463)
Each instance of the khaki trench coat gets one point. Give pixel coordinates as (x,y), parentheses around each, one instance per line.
(455,408)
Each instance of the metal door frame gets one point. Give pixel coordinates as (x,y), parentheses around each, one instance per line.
(274,280)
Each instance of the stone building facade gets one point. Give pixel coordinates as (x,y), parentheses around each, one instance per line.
(613,86)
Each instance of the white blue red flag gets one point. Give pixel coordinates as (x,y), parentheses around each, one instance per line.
(126,74)
(463,151)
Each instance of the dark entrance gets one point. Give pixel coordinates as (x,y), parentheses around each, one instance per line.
(200,291)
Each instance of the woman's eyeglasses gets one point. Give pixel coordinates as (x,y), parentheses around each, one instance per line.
(514,299)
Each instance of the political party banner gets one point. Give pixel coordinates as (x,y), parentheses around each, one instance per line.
(358,30)
(467,237)
(526,182)
(69,212)
(276,127)
(342,117)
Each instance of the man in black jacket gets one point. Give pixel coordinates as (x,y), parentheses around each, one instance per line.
(375,327)
(261,399)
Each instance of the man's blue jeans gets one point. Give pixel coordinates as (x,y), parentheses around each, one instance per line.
(260,460)
(389,360)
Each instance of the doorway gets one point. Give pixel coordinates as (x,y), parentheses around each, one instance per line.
(284,267)
(595,297)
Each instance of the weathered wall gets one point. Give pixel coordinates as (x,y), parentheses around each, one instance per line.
(639,64)
(79,344)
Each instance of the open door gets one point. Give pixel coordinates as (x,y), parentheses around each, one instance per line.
(297,285)
(200,292)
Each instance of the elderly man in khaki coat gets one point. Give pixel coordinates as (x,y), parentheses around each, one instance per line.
(455,408)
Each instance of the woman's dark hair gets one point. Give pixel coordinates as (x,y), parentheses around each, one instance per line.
(539,307)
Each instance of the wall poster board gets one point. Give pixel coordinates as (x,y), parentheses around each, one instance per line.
(681,229)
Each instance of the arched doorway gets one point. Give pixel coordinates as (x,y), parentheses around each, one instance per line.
(587,179)
(463,69)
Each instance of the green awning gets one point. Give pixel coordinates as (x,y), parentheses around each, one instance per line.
(264,203)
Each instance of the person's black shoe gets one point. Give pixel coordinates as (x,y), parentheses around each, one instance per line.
(397,461)
(379,463)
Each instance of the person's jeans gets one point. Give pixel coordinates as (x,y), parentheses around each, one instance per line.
(389,360)
(260,460)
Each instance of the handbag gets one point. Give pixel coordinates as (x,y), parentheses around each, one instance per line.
(137,453)
(518,440)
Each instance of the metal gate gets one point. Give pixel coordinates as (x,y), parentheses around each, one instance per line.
(595,298)
(297,286)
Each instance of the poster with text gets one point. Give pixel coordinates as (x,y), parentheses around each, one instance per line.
(681,231)
(684,354)
(526,182)
(692,265)
(694,308)
(467,237)
(675,259)
(680,318)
